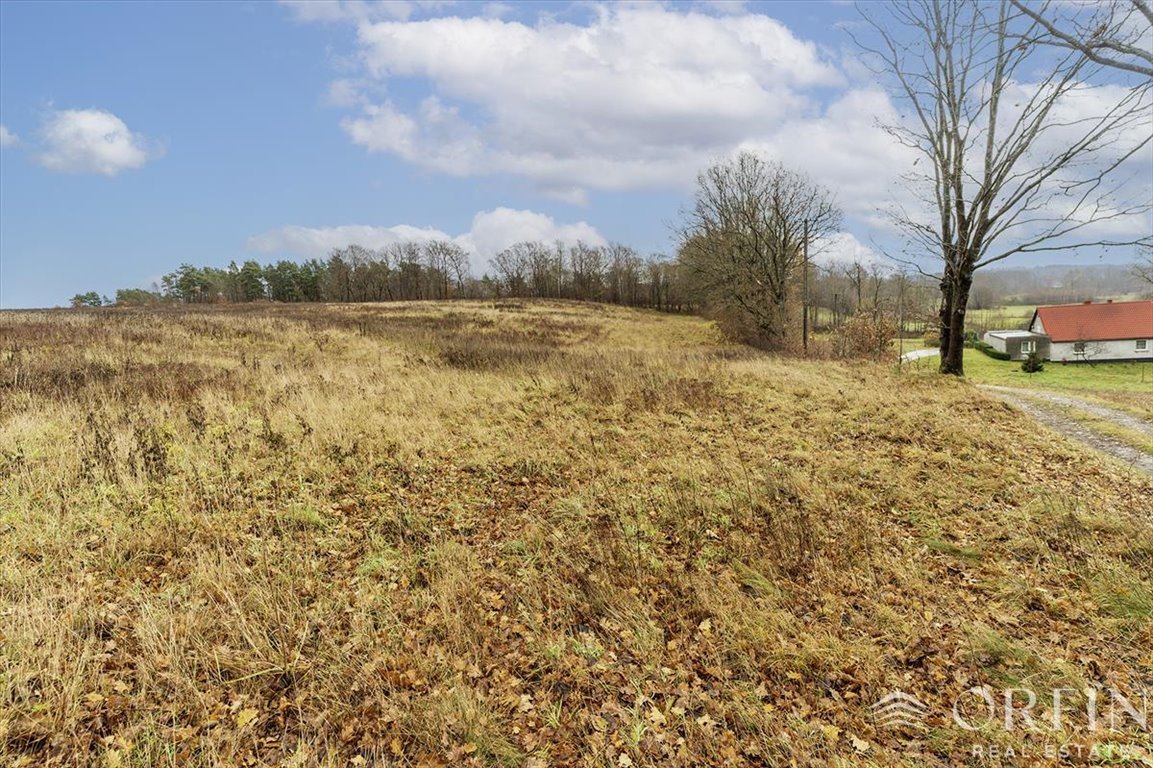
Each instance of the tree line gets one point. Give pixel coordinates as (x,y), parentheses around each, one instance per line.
(425,270)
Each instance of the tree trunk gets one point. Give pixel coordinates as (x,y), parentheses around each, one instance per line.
(955,287)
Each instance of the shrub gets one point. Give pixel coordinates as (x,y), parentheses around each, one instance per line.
(90,299)
(866,335)
(991,352)
(136,297)
(1032,363)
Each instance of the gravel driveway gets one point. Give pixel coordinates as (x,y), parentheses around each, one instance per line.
(1075,430)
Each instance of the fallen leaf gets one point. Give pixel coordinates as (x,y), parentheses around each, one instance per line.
(245,716)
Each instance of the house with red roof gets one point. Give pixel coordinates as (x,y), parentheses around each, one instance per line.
(1110,331)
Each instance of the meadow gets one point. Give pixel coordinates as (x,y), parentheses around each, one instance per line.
(531,534)
(1006,317)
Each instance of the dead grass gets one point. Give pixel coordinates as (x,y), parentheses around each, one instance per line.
(533,534)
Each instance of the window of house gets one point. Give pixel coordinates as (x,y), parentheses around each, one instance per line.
(1028,347)
(1142,345)
(1079,346)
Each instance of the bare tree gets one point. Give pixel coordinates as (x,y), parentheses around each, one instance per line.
(624,274)
(744,241)
(1008,160)
(512,267)
(1143,268)
(1113,34)
(855,274)
(457,264)
(547,275)
(447,264)
(588,268)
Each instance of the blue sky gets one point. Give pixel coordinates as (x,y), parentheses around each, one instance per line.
(137,136)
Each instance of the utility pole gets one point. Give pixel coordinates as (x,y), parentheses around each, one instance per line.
(900,318)
(805,303)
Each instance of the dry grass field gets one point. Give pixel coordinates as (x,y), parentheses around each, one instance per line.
(537,534)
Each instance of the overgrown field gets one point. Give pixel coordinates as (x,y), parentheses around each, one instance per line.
(532,535)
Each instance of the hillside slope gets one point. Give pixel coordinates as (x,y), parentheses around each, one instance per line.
(532,534)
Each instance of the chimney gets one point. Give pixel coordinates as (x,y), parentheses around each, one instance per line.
(1087,302)
(1108,301)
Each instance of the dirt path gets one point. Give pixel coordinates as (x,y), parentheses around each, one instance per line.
(1071,428)
(919,354)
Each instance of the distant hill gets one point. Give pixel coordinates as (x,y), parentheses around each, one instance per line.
(1052,284)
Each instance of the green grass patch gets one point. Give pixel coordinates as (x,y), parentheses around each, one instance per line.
(380,563)
(304,516)
(755,581)
(1007,318)
(1122,595)
(949,548)
(1080,377)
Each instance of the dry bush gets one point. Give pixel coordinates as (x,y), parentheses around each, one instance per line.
(496,353)
(637,382)
(866,335)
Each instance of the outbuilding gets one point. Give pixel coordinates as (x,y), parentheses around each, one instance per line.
(1019,344)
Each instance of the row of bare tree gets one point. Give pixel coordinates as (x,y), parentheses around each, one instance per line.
(615,273)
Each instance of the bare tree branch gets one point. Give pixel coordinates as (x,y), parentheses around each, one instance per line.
(1106,32)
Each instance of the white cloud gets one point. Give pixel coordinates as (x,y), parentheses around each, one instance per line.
(493,231)
(343,93)
(490,232)
(7,138)
(729,7)
(846,150)
(496,10)
(92,141)
(640,97)
(843,248)
(317,242)
(327,11)
(645,95)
